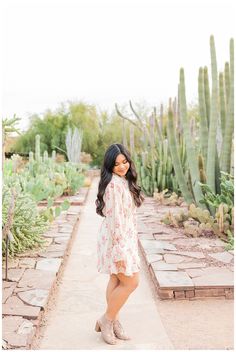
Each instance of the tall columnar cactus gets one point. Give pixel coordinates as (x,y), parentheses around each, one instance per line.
(207,94)
(227,82)
(211,155)
(131,140)
(190,147)
(31,157)
(222,102)
(203,115)
(45,156)
(31,162)
(176,158)
(37,148)
(73,144)
(53,155)
(229,124)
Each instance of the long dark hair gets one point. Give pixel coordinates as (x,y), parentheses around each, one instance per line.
(106,175)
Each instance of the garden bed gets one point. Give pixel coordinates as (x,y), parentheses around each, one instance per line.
(32,278)
(183,267)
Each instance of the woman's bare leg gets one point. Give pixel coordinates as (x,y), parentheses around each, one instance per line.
(120,294)
(112,284)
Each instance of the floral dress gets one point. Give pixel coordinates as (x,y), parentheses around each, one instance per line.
(117,237)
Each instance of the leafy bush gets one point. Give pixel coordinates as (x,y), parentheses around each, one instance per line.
(28,224)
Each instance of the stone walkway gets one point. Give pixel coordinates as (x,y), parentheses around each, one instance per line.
(183,267)
(81,300)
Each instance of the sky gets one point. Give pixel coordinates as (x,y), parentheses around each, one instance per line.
(106,52)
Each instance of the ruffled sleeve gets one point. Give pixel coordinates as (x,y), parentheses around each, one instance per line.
(115,218)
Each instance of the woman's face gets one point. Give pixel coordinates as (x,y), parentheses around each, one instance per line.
(121,165)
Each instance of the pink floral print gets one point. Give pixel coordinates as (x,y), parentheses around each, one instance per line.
(117,236)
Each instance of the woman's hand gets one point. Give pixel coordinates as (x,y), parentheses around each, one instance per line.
(120,265)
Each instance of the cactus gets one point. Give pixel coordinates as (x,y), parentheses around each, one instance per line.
(53,155)
(31,157)
(222,102)
(211,155)
(192,230)
(227,82)
(203,115)
(73,145)
(37,148)
(45,156)
(176,159)
(27,226)
(207,94)
(229,124)
(191,151)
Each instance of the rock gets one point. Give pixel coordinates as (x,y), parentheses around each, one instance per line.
(221,278)
(50,264)
(224,257)
(66,228)
(153,251)
(172,258)
(157,244)
(60,240)
(190,265)
(173,279)
(10,324)
(153,258)
(166,237)
(146,236)
(27,263)
(36,297)
(57,254)
(197,255)
(16,340)
(7,290)
(194,272)
(15,274)
(24,311)
(162,265)
(14,301)
(26,327)
(35,278)
(56,247)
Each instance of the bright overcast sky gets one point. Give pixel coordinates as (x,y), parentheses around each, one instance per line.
(104,52)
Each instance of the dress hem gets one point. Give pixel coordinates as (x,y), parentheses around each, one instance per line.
(118,272)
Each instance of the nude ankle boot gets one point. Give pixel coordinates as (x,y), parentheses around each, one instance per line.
(106,327)
(119,331)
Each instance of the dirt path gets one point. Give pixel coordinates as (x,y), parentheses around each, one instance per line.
(152,323)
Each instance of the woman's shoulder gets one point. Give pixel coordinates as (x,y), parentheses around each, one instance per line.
(116,182)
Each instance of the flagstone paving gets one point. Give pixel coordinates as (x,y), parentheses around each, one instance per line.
(182,266)
(31,277)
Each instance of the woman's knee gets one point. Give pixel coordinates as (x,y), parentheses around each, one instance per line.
(114,278)
(130,282)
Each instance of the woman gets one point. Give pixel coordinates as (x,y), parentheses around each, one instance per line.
(117,246)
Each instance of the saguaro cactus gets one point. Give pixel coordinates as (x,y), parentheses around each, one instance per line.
(203,115)
(37,148)
(229,124)
(190,147)
(211,155)
(176,158)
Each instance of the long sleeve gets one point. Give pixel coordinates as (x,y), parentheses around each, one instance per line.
(115,218)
